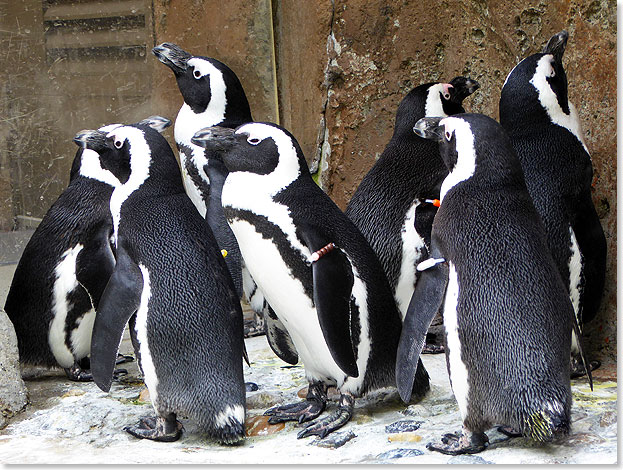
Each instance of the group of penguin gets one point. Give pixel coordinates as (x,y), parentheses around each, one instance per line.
(491,225)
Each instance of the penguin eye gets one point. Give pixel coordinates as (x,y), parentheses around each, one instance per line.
(197,74)
(118,143)
(448,135)
(446,95)
(253,140)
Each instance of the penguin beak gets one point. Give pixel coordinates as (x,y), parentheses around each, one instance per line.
(429,128)
(219,139)
(172,56)
(158,123)
(462,87)
(91,139)
(557,45)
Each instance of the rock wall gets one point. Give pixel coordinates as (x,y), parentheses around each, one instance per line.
(341,68)
(13,397)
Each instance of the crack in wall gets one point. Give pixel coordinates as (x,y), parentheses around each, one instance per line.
(322,155)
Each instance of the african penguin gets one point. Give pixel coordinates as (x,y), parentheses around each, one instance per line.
(315,268)
(546,133)
(213,95)
(65,266)
(408,173)
(171,274)
(506,311)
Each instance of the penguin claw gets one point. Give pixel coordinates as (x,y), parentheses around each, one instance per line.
(465,442)
(323,427)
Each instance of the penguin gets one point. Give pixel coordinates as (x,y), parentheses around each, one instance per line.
(546,133)
(315,268)
(65,266)
(172,277)
(506,311)
(213,95)
(408,173)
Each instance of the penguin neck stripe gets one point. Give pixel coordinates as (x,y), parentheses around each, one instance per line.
(466,154)
(91,167)
(286,171)
(434,106)
(140,160)
(549,101)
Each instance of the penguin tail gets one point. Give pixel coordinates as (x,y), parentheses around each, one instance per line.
(547,423)
(228,425)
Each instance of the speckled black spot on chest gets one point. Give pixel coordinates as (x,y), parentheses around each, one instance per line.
(79,303)
(193,172)
(291,256)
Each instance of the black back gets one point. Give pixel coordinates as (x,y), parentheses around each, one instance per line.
(79,216)
(558,173)
(409,168)
(514,315)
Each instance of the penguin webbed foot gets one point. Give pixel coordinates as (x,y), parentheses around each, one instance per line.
(251,387)
(509,431)
(323,427)
(462,442)
(302,411)
(577,367)
(431,348)
(157,428)
(75,373)
(121,359)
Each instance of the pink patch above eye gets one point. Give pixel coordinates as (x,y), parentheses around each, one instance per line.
(446,90)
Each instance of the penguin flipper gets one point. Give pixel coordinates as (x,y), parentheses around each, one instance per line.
(120,300)
(278,337)
(333,284)
(578,335)
(95,264)
(425,302)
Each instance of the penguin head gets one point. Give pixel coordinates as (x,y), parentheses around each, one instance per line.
(432,99)
(111,145)
(536,89)
(468,142)
(205,83)
(257,147)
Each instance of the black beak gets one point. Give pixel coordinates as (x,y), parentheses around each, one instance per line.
(216,138)
(172,56)
(158,123)
(91,139)
(557,45)
(462,87)
(429,128)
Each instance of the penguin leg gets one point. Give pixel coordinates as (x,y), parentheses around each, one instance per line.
(463,442)
(157,428)
(324,426)
(302,411)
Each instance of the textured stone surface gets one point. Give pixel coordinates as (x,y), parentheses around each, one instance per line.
(78,423)
(13,397)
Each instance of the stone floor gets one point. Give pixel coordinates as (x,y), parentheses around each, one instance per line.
(77,423)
